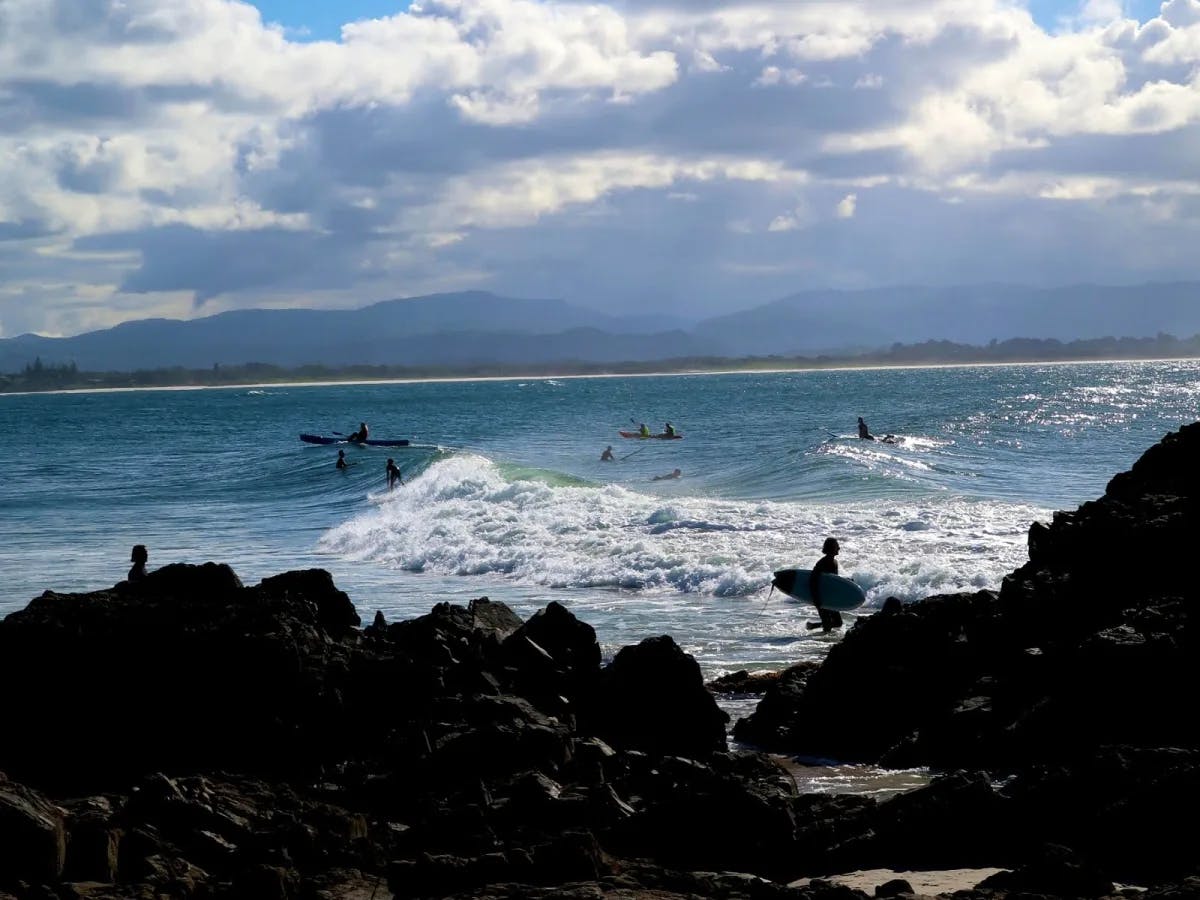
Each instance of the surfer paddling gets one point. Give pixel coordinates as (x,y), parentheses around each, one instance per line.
(864,434)
(830,618)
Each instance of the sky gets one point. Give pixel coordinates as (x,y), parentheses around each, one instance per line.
(178,158)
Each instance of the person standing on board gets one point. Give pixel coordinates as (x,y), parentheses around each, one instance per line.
(863,433)
(393,474)
(361,435)
(341,463)
(830,618)
(138,557)
(607,455)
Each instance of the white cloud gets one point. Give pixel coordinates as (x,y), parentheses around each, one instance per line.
(773,75)
(448,144)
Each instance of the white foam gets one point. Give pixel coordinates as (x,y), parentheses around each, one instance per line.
(462,517)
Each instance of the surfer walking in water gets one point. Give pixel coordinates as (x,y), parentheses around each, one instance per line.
(341,460)
(830,618)
(393,474)
(607,455)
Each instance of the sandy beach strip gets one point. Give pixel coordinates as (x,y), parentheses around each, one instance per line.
(939,881)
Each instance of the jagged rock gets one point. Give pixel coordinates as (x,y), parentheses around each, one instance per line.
(1056,871)
(33,844)
(652,697)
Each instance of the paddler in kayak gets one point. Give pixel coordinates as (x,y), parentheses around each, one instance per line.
(669,430)
(361,435)
(644,430)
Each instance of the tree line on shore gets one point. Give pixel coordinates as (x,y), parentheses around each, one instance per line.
(42,376)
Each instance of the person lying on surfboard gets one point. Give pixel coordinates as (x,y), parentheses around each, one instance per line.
(830,618)
(674,474)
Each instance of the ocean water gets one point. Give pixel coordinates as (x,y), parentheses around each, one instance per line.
(506,496)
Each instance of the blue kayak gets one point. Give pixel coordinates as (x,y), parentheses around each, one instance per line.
(370,442)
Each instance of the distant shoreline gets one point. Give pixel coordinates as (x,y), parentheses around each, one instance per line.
(546,376)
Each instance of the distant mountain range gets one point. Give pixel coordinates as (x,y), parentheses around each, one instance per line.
(478,328)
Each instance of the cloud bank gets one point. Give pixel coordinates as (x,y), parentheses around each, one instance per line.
(176,157)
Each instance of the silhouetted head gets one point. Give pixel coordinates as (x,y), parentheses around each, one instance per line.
(830,547)
(139,554)
(341,453)
(609,447)
(390,462)
(860,420)
(676,472)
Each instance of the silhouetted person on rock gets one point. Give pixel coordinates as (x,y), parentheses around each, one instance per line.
(138,557)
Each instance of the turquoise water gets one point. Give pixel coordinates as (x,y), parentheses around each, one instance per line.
(506,495)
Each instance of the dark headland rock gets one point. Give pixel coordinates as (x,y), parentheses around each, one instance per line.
(1072,686)
(192,737)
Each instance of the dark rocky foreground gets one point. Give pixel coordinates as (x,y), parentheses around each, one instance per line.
(191,737)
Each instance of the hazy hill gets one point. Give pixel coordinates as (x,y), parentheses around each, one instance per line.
(466,327)
(839,320)
(478,327)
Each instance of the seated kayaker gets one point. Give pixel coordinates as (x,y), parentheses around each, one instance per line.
(644,430)
(361,435)
(669,430)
